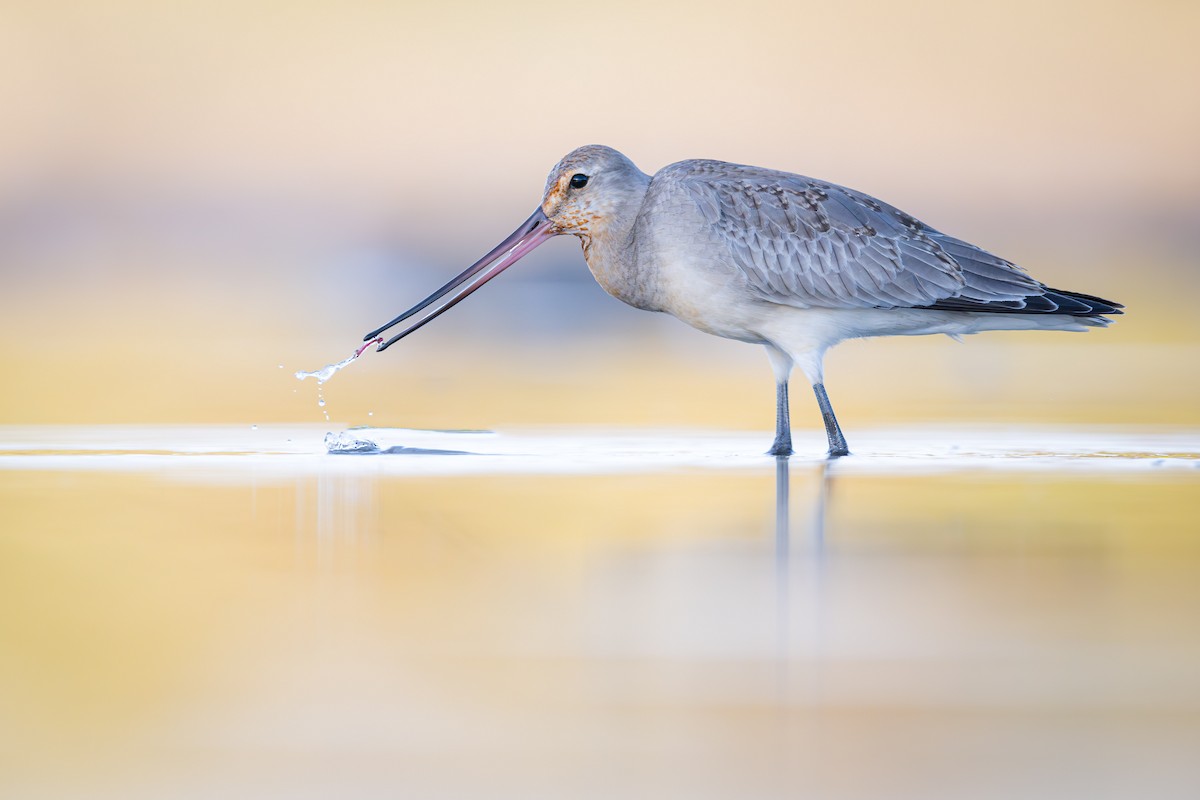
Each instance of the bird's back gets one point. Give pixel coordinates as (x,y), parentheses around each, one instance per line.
(806,243)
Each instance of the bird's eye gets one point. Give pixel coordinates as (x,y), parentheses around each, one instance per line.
(579,180)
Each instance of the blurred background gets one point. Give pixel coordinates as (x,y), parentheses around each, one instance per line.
(198,199)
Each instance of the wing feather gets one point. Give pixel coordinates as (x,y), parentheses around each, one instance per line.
(808,243)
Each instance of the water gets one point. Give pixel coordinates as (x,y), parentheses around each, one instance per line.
(329,370)
(326,372)
(348,442)
(593,613)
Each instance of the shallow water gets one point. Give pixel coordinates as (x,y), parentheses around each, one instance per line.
(952,612)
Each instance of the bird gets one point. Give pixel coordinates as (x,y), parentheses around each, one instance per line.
(773,258)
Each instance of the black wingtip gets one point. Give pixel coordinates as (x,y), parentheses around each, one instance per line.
(1095,305)
(1051,301)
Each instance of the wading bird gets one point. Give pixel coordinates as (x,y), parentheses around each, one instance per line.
(767,257)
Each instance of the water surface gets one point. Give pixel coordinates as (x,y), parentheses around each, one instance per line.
(952,612)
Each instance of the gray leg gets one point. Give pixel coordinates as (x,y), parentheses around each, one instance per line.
(837,442)
(782,446)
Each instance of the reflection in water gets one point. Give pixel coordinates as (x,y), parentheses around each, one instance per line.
(812,632)
(782,570)
(345,509)
(375,625)
(815,539)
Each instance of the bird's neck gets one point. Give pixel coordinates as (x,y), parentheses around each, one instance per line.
(610,249)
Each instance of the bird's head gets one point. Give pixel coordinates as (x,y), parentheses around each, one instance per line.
(590,188)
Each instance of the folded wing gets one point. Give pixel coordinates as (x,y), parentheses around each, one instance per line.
(812,244)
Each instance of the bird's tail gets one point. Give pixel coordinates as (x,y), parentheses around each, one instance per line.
(1077,304)
(1073,310)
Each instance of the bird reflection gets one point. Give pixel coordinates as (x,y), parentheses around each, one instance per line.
(815,530)
(812,563)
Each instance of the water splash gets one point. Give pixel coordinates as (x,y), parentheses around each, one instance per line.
(329,370)
(347,442)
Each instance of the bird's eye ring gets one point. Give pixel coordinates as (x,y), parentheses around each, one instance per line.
(579,180)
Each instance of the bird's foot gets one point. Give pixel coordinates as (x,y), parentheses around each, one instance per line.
(838,452)
(781,448)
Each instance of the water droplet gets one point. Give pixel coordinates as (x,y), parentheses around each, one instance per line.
(281,366)
(326,372)
(253,427)
(321,401)
(370,413)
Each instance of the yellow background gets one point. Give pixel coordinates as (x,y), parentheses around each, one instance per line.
(192,194)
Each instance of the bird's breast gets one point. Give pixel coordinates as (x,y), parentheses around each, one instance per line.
(619,271)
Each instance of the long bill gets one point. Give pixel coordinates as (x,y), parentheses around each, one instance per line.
(529,235)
